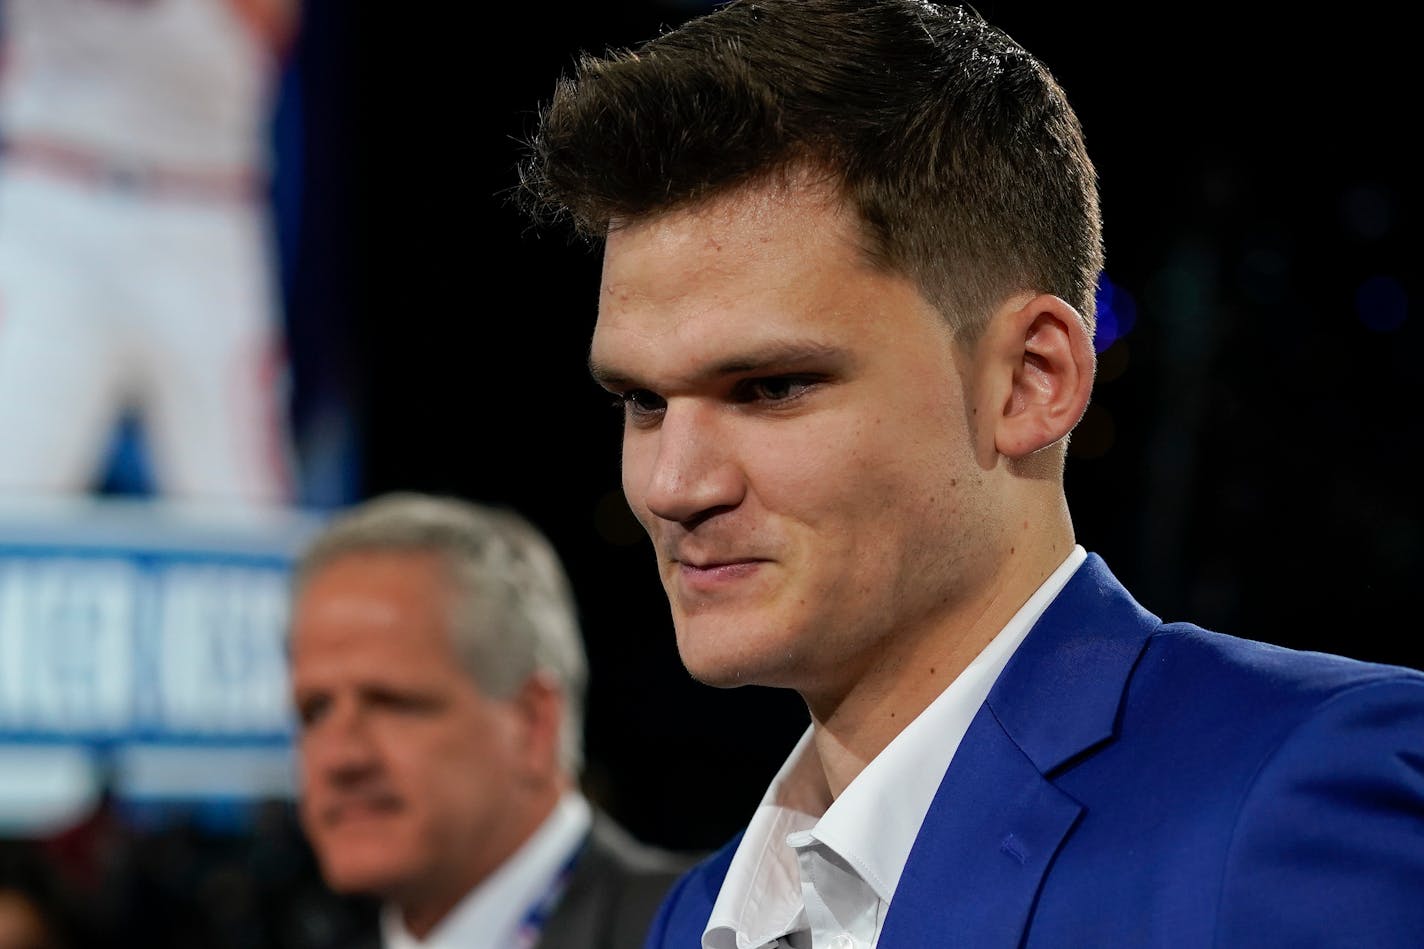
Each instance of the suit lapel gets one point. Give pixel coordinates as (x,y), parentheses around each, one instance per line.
(984,846)
(997,820)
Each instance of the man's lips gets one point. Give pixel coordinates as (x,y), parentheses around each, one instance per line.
(360,809)
(713,574)
(713,563)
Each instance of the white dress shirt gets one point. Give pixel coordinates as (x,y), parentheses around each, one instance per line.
(490,915)
(807,882)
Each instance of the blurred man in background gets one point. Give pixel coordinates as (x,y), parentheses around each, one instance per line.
(439,674)
(136,263)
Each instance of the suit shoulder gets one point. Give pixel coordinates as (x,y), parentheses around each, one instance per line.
(1334,816)
(1211,711)
(1270,680)
(1272,797)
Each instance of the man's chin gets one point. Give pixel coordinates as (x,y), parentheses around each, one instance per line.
(365,874)
(727,665)
(719,678)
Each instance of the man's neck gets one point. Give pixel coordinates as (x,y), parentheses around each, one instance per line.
(851,729)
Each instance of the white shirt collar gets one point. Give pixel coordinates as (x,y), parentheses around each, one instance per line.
(873,824)
(489,916)
(760,899)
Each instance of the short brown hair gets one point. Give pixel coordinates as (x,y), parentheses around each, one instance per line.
(956,147)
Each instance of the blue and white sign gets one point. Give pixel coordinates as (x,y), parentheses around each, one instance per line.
(142,651)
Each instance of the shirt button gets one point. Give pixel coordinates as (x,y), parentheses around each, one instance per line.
(843,941)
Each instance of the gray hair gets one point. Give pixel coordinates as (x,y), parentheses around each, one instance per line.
(516,614)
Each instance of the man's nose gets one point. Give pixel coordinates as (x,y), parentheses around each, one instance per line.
(341,747)
(693,472)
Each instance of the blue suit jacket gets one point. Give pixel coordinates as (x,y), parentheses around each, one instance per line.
(1129,783)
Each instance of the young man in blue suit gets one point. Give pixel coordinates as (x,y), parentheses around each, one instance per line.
(847,302)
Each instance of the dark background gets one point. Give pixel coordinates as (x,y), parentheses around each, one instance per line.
(1244,465)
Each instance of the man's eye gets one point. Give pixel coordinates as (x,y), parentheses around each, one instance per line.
(774,388)
(310,711)
(641,402)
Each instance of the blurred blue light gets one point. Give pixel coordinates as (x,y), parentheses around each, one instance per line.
(1117,314)
(1382,304)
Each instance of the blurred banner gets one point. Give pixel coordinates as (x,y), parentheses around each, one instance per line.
(142,655)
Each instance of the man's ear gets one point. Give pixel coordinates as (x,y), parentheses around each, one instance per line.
(1040,359)
(540,705)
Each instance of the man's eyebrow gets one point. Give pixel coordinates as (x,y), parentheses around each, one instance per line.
(773,357)
(607,376)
